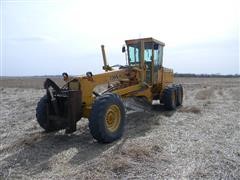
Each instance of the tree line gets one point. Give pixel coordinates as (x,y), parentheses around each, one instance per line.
(206,75)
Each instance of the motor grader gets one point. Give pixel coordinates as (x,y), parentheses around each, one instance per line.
(143,76)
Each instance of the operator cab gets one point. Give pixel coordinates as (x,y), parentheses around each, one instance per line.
(146,54)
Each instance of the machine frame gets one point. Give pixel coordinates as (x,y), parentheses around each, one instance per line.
(62,107)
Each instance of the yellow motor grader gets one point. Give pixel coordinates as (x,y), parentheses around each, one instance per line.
(143,76)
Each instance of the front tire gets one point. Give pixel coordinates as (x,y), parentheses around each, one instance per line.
(41,115)
(107,118)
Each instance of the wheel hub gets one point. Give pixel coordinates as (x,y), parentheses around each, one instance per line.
(113,118)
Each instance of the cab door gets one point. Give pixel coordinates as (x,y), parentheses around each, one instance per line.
(148,61)
(157,61)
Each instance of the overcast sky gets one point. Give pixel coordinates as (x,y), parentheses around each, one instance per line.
(40,37)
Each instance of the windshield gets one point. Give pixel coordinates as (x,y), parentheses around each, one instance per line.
(134,54)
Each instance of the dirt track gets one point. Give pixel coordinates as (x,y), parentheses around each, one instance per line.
(199,140)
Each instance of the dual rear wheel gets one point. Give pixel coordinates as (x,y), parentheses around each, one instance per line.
(173,97)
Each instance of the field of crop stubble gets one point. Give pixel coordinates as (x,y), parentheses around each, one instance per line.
(201,139)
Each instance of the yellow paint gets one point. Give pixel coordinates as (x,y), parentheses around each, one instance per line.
(113,118)
(138,88)
(145,93)
(124,91)
(88,84)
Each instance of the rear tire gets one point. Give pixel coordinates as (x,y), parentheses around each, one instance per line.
(107,118)
(179,95)
(169,98)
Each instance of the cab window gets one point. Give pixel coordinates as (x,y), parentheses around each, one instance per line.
(156,52)
(148,52)
(134,54)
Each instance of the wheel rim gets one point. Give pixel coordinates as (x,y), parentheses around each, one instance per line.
(113,118)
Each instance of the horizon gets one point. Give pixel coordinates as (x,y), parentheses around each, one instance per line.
(175,74)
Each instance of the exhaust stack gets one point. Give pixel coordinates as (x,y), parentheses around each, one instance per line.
(106,67)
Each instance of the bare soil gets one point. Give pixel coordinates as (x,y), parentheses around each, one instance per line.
(199,140)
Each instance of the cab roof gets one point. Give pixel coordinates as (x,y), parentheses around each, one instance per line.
(149,39)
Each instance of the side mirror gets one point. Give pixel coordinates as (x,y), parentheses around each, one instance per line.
(123,49)
(65,76)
